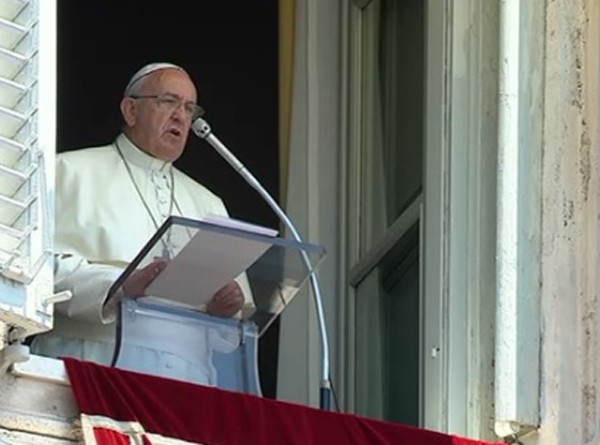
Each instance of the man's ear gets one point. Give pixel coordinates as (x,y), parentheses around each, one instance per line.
(128,111)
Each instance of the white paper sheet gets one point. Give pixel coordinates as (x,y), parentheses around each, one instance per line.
(208,262)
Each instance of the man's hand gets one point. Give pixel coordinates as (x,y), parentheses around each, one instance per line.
(135,285)
(227,301)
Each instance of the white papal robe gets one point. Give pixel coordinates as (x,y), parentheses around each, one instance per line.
(101,222)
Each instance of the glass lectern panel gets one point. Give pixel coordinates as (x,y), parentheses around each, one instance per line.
(169,333)
(187,345)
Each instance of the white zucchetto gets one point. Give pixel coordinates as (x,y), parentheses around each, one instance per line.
(148,69)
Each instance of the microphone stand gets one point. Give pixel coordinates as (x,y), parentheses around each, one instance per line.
(203,130)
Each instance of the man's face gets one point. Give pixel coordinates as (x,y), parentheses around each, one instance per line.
(157,126)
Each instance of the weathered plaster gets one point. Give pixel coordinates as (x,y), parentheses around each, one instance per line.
(570,225)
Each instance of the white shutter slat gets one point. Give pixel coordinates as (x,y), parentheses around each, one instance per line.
(27,146)
(13,9)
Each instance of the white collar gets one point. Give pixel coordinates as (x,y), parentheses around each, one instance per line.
(136,156)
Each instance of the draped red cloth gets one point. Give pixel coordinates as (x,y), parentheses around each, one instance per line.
(116,404)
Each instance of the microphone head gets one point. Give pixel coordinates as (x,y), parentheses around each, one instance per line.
(201,128)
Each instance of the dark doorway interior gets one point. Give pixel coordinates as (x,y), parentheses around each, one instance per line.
(229,48)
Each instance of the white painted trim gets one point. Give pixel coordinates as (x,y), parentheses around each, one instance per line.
(376,253)
(435,349)
(508,203)
(344,346)
(517,347)
(43,369)
(352,214)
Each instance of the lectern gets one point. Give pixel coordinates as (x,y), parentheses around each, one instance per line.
(168,333)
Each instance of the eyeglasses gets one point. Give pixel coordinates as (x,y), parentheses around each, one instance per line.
(168,102)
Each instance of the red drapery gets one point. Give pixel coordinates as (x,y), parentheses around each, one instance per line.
(116,403)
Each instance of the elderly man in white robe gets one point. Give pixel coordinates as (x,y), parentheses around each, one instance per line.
(110,200)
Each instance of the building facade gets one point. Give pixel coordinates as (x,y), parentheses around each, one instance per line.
(450,167)
(445,153)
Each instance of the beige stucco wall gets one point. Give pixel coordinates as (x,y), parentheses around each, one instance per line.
(570,263)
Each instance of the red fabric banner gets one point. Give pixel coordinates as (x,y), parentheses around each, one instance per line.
(105,436)
(118,403)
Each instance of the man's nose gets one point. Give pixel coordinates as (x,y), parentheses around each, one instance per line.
(180,111)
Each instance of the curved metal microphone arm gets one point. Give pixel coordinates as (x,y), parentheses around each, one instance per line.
(203,130)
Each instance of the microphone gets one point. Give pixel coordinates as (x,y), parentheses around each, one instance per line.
(203,130)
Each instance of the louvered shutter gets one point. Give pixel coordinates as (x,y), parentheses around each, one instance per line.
(27,150)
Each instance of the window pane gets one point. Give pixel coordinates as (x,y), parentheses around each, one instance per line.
(388,324)
(390,162)
(401,77)
(392,115)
